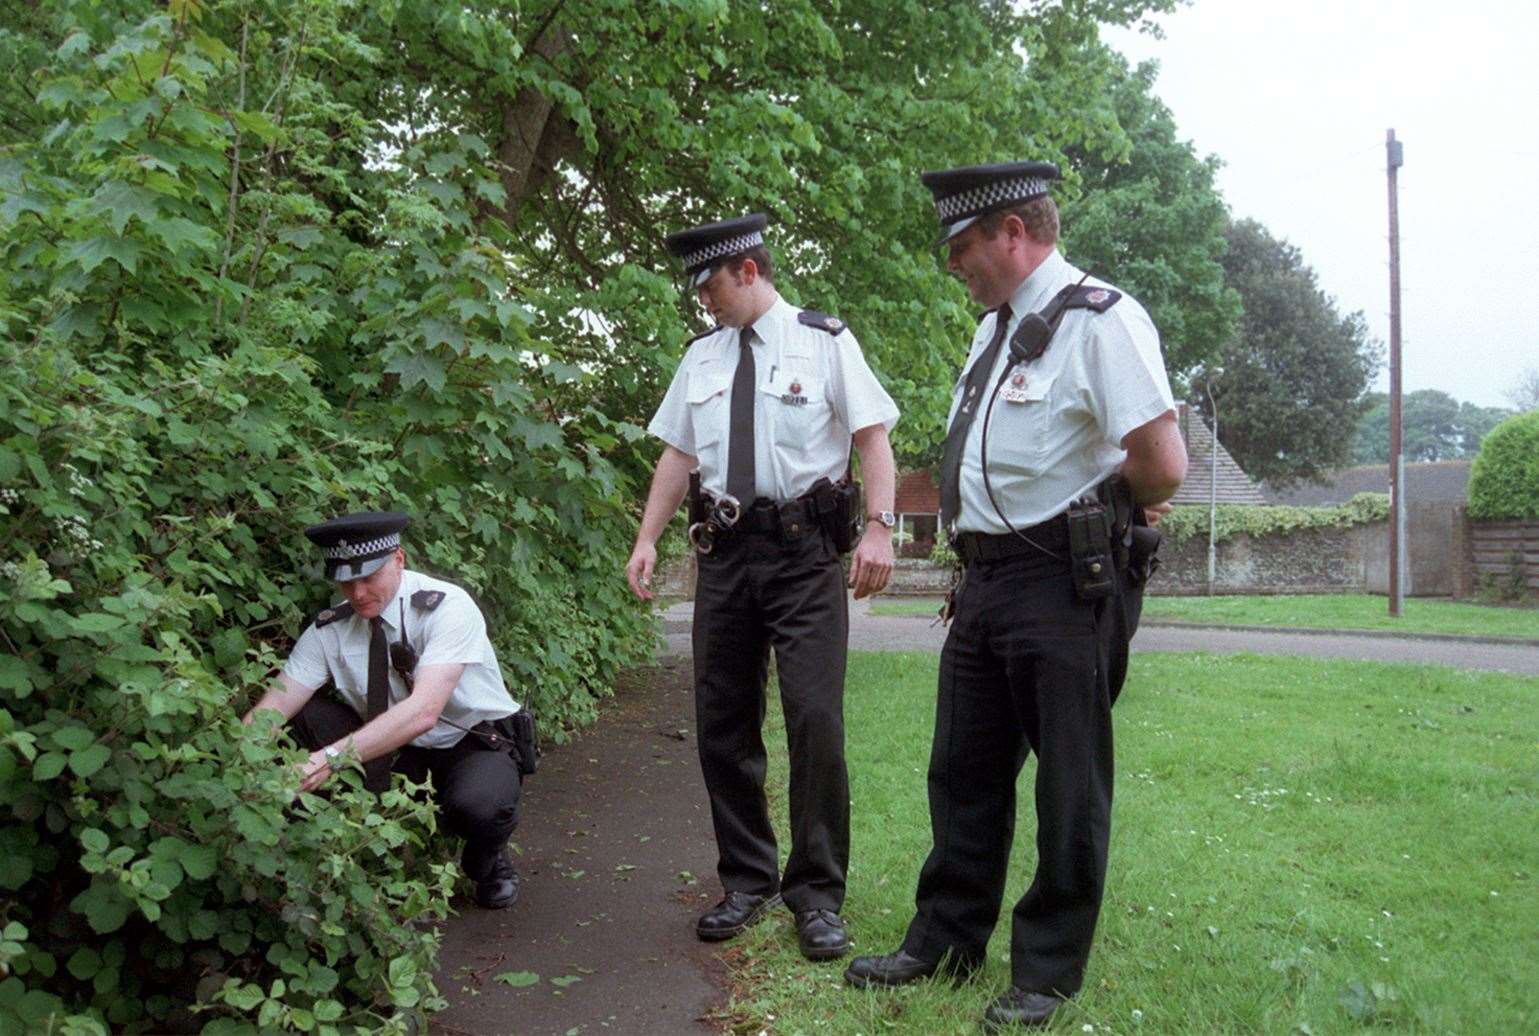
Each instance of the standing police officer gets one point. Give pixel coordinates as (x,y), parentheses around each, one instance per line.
(766,405)
(1033,432)
(409,657)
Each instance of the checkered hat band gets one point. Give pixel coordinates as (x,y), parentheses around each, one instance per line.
(717,249)
(366,549)
(989,197)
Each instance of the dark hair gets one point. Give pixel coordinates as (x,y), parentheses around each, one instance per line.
(761,259)
(1040,215)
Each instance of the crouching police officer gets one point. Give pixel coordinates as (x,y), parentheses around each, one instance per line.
(421,692)
(767,405)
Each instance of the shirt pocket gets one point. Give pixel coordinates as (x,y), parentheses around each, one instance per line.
(708,406)
(1018,432)
(350,675)
(798,409)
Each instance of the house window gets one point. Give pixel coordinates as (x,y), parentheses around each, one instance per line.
(916,534)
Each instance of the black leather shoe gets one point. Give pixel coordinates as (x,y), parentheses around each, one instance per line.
(735,912)
(821,935)
(500,889)
(1020,1008)
(897,969)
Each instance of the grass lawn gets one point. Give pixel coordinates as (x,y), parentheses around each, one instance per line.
(1349,611)
(1311,611)
(1298,847)
(925,606)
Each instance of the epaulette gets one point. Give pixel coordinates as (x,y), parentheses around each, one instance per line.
(821,321)
(702,334)
(427,600)
(1087,297)
(333,614)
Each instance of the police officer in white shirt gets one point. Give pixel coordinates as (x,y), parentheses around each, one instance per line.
(1064,388)
(766,406)
(418,680)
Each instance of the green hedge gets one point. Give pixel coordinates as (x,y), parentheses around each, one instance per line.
(186,386)
(1191,521)
(1504,480)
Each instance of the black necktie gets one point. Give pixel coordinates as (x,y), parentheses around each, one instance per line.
(740,473)
(956,436)
(376,772)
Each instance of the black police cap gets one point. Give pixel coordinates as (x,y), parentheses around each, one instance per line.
(967,192)
(355,546)
(702,249)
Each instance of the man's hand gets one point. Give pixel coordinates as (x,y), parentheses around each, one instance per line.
(638,570)
(1154,512)
(872,564)
(314,772)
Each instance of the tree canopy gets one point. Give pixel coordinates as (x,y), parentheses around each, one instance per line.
(1292,379)
(1433,426)
(1153,223)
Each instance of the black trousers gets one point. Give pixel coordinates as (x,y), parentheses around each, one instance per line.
(476,787)
(1023,670)
(756,591)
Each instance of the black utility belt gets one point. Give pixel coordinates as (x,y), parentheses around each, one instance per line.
(1049,537)
(791,518)
(828,507)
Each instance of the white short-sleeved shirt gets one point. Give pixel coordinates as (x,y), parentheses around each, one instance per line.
(814,390)
(1102,377)
(451,633)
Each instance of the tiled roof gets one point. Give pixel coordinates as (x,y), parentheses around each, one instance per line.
(1429,481)
(1234,486)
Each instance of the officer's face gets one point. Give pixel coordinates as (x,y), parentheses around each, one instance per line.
(369,595)
(726,296)
(982,263)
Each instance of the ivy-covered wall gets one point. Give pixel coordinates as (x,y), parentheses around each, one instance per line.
(1280,550)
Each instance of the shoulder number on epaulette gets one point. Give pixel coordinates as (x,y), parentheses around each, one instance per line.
(427,600)
(334,614)
(1098,299)
(821,321)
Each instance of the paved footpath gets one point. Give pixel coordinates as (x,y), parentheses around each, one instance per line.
(618,857)
(917,633)
(617,860)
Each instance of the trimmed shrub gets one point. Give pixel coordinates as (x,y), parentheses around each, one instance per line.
(1504,480)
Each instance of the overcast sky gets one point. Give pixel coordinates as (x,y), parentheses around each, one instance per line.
(1295,98)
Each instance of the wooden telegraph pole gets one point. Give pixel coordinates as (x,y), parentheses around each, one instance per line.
(1395,156)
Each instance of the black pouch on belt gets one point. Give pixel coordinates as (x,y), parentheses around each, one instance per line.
(523,739)
(838,508)
(1090,550)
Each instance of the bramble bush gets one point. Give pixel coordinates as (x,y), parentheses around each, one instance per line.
(1504,480)
(221,322)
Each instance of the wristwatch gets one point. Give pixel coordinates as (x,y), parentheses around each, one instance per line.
(887,518)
